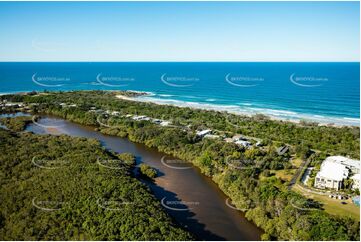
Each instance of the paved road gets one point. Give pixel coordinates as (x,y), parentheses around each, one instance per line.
(298,173)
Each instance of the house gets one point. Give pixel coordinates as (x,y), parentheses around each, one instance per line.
(243,143)
(11,104)
(202,133)
(165,123)
(282,150)
(211,136)
(157,121)
(331,175)
(141,118)
(238,137)
(66,105)
(356,181)
(115,113)
(96,111)
(136,118)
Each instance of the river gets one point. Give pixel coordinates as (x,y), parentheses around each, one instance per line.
(192,199)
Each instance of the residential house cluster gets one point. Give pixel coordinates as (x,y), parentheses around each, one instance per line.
(6,104)
(18,106)
(240,140)
(65,105)
(145,118)
(133,117)
(237,139)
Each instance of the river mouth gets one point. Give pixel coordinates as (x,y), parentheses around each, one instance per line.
(192,199)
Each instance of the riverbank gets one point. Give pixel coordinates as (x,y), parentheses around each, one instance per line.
(196,203)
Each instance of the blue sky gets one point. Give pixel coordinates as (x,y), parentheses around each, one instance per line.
(179,31)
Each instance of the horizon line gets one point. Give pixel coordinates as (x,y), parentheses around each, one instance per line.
(61,61)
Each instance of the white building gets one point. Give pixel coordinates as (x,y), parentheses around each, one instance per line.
(331,175)
(238,137)
(243,143)
(353,165)
(202,133)
(141,118)
(165,123)
(115,113)
(211,136)
(11,104)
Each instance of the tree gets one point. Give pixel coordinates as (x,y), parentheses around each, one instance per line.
(148,171)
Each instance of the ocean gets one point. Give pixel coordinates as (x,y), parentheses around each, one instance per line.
(327,92)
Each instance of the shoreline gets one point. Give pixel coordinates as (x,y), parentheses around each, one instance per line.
(148,97)
(233,109)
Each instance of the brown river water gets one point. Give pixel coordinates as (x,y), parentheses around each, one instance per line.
(192,199)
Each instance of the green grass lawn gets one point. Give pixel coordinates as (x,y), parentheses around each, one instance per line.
(296,162)
(285,175)
(333,206)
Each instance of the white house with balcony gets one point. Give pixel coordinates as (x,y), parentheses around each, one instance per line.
(331,175)
(335,169)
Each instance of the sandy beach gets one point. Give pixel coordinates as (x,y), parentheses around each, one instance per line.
(229,109)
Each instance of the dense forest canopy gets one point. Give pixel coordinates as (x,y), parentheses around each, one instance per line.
(55,188)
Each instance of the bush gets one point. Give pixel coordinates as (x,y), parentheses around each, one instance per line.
(148,171)
(128,158)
